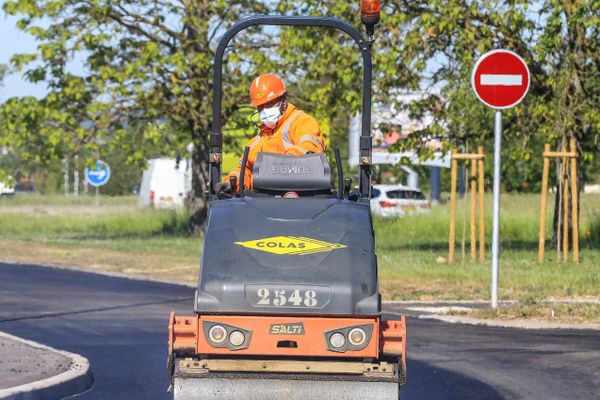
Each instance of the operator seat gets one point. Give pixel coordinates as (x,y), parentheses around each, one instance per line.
(307,175)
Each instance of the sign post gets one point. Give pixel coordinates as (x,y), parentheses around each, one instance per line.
(500,80)
(99,176)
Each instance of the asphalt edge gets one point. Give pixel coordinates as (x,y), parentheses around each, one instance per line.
(112,274)
(526,324)
(76,379)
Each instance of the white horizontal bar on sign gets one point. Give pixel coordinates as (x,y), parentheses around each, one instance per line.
(501,79)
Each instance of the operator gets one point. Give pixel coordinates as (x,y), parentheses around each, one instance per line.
(284,129)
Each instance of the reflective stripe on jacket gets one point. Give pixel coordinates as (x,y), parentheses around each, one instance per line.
(296,133)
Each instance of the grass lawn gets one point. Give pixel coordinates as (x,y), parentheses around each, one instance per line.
(115,235)
(413,251)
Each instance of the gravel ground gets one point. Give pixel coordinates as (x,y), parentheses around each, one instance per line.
(21,364)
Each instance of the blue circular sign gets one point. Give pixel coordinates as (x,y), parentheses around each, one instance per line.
(99,176)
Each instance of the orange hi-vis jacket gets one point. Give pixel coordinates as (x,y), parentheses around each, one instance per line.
(296,133)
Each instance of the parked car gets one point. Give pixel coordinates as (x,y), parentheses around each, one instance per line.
(165,183)
(398,200)
(6,190)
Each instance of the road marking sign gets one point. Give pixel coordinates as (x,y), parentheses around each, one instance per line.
(99,176)
(500,79)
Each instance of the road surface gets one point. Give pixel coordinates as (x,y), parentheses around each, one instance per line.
(120,326)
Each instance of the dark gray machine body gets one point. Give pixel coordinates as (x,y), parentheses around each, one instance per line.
(269,255)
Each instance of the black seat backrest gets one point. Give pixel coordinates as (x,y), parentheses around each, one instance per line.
(309,174)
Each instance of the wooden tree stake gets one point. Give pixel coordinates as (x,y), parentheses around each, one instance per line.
(481,172)
(546,172)
(567,177)
(473,209)
(477,185)
(565,206)
(575,201)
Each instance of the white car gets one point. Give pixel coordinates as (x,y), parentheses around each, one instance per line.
(398,200)
(6,190)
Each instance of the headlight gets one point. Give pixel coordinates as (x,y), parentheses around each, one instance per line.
(357,336)
(217,334)
(349,338)
(337,340)
(237,338)
(220,335)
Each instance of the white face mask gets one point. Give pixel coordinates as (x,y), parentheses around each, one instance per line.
(270,116)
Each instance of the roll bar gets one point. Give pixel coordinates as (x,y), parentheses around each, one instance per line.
(216,137)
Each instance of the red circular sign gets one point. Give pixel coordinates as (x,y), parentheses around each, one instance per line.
(500,79)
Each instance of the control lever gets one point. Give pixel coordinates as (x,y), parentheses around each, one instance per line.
(347,186)
(340,172)
(233,184)
(243,171)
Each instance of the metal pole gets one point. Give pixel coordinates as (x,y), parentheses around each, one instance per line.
(473,210)
(65,166)
(434,177)
(496,220)
(76,177)
(452,238)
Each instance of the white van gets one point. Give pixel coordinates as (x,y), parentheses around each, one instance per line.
(165,183)
(6,190)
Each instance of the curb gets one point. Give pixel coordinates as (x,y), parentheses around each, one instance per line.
(499,323)
(510,324)
(76,379)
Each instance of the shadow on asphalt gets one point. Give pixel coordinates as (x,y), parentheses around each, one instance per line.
(427,382)
(100,309)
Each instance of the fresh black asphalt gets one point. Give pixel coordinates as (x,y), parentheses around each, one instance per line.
(120,326)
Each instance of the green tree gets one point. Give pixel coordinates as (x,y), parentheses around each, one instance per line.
(558,40)
(3,71)
(569,48)
(324,66)
(28,131)
(433,45)
(3,174)
(146,62)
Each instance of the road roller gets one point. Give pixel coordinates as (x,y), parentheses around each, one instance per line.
(287,304)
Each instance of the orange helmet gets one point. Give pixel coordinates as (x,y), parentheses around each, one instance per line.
(264,88)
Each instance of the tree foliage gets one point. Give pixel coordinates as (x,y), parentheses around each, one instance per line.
(3,71)
(146,62)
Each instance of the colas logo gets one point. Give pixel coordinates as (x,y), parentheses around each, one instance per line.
(290,245)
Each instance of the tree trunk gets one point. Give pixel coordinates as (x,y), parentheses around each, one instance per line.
(198,199)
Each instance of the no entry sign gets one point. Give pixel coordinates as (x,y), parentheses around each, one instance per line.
(500,79)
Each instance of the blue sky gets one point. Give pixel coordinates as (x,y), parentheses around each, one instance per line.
(13,42)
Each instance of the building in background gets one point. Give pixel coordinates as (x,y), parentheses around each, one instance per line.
(391,125)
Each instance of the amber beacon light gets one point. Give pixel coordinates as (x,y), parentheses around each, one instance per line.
(370,11)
